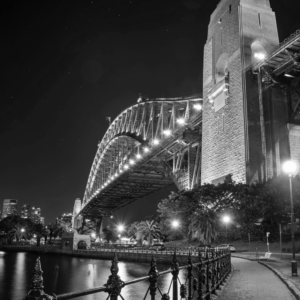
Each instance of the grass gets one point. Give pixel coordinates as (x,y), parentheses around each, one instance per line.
(242,245)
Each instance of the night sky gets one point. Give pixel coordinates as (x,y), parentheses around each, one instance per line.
(67,65)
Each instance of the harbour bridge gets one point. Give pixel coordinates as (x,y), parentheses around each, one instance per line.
(148,146)
(245,123)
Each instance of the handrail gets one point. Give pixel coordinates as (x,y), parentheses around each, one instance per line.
(213,266)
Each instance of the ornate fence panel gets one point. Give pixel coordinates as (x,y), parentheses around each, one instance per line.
(203,278)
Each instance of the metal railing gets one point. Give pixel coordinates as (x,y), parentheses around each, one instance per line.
(211,268)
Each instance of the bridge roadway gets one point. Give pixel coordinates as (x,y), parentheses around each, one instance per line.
(143,151)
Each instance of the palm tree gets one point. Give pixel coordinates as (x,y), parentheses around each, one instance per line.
(204,225)
(148,230)
(132,230)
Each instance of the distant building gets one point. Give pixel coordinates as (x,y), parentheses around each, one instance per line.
(65,219)
(42,220)
(10,207)
(36,215)
(26,211)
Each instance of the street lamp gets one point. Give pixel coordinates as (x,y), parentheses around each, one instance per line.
(226,219)
(290,168)
(120,229)
(22,230)
(175,225)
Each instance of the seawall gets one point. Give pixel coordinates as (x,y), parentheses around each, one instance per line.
(129,255)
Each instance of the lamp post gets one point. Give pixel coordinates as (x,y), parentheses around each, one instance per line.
(260,56)
(175,225)
(290,168)
(120,229)
(226,220)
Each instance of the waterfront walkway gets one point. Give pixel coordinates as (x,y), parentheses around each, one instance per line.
(253,281)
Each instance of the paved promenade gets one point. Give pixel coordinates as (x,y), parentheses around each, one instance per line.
(251,280)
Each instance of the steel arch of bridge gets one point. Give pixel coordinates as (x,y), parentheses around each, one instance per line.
(148,146)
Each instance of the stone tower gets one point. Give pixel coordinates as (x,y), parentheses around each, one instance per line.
(234,136)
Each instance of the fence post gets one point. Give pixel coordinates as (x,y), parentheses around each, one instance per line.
(213,271)
(37,289)
(218,268)
(190,275)
(207,275)
(114,284)
(153,275)
(229,260)
(175,272)
(201,276)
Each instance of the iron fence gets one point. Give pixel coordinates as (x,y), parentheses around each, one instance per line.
(212,267)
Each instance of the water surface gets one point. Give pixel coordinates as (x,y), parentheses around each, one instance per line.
(64,274)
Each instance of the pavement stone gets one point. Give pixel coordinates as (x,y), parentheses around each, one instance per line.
(253,281)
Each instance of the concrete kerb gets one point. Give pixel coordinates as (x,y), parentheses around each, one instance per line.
(293,289)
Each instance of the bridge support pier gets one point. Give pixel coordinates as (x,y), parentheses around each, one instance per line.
(98,227)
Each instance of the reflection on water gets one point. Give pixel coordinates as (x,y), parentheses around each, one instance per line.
(64,274)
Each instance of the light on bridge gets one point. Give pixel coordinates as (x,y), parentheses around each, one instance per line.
(138,156)
(146,149)
(198,106)
(126,167)
(180,121)
(155,141)
(167,132)
(131,161)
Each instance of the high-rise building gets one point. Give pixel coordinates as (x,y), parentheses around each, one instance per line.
(35,215)
(42,220)
(10,207)
(25,211)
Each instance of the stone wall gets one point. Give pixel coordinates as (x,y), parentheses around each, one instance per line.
(132,256)
(294,142)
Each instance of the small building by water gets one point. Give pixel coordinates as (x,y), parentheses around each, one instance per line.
(73,241)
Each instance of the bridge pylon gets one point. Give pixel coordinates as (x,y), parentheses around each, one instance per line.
(236,137)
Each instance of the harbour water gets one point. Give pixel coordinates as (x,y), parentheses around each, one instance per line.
(64,274)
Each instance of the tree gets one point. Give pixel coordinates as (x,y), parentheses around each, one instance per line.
(148,230)
(17,228)
(109,235)
(203,225)
(201,208)
(132,230)
(41,232)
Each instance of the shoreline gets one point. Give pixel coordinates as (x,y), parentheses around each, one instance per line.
(164,258)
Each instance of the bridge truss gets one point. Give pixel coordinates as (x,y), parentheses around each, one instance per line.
(147,147)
